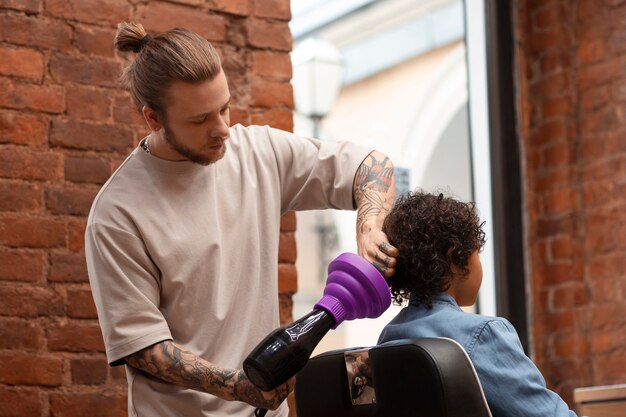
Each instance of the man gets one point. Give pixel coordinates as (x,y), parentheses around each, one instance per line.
(182,241)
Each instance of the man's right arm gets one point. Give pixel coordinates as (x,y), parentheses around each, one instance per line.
(174,364)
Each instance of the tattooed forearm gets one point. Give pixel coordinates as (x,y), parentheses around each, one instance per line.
(171,363)
(374,190)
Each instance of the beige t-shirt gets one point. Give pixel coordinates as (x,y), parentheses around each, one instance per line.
(180,251)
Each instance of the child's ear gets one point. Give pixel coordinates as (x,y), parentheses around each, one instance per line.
(456,270)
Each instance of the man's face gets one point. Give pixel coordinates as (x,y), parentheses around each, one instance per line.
(197,119)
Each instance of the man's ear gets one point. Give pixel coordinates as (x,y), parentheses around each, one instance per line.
(152,118)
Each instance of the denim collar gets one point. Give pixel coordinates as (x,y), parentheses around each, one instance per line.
(442,298)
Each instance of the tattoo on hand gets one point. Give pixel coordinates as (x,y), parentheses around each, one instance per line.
(372,184)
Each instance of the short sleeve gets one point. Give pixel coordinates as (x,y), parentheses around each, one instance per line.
(315,174)
(125,287)
(513,385)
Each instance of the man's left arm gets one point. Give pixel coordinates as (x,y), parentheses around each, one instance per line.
(374,194)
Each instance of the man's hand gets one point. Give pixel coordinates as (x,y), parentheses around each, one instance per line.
(372,244)
(247,392)
(374,194)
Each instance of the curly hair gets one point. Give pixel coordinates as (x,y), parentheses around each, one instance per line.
(432,233)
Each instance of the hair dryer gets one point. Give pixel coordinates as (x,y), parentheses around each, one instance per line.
(354,289)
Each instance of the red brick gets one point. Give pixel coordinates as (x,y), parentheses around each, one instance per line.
(591,51)
(557,38)
(275,9)
(552,178)
(287,248)
(561,248)
(189,2)
(93,71)
(20,196)
(570,296)
(236,7)
(90,136)
(547,17)
(117,374)
(285,308)
(267,34)
(605,265)
(560,201)
(29,369)
(288,222)
(80,305)
(279,119)
(610,368)
(21,265)
(271,65)
(603,290)
(22,63)
(560,322)
(87,170)
(552,85)
(29,301)
(68,267)
(609,340)
(28,165)
(23,96)
(94,404)
(89,103)
(239,116)
(17,334)
(602,238)
(31,6)
(270,94)
(557,106)
(593,75)
(32,232)
(570,345)
(71,201)
(607,315)
(287,278)
(549,132)
(124,111)
(76,234)
(90,11)
(556,154)
(75,337)
(33,31)
(554,61)
(160,16)
(555,226)
(597,193)
(24,401)
(95,41)
(89,371)
(23,129)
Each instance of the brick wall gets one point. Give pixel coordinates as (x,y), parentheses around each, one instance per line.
(572,85)
(64,127)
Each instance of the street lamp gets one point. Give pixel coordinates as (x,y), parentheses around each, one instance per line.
(317,79)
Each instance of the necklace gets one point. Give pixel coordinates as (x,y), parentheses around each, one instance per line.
(144,144)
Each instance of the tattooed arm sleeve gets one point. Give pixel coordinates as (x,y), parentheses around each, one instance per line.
(374,194)
(174,364)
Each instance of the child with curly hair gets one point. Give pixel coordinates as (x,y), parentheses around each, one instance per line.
(438,271)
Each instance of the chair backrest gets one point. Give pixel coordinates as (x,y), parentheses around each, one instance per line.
(428,377)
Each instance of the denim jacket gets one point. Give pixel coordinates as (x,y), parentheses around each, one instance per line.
(513,385)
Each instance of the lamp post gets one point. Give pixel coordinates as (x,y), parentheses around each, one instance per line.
(317,79)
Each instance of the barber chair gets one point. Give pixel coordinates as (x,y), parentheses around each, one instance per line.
(427,377)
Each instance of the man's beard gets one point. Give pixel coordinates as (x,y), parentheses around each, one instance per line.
(188,153)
